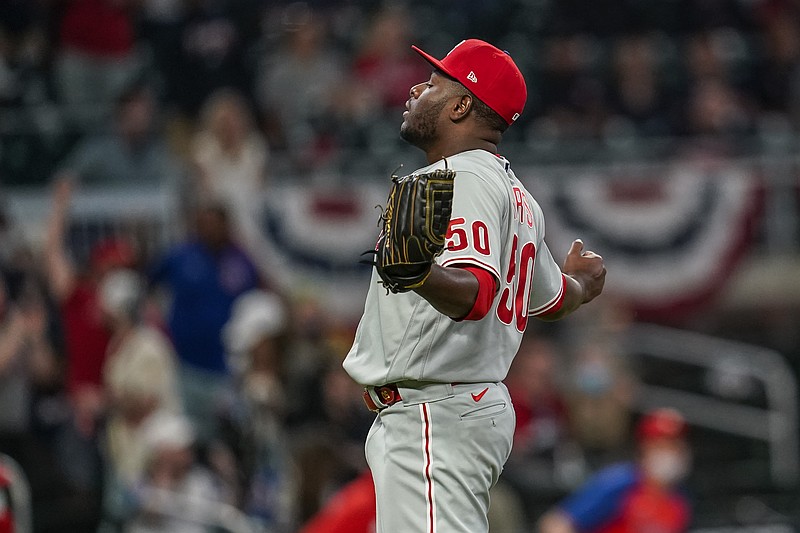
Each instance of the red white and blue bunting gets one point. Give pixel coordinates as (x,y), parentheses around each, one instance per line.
(671,235)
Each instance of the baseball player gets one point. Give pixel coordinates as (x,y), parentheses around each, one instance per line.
(432,353)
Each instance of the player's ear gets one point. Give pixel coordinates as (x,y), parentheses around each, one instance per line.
(461,107)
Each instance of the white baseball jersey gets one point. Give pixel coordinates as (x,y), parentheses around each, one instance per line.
(495,225)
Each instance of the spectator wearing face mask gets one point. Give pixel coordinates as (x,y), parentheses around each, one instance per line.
(177,493)
(598,399)
(255,341)
(637,496)
(140,380)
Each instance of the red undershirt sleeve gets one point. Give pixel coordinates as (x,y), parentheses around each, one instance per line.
(486,291)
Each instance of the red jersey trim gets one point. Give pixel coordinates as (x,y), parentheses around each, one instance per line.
(553,305)
(452,261)
(485,297)
(430,502)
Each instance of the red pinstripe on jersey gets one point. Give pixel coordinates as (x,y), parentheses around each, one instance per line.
(553,305)
(427,469)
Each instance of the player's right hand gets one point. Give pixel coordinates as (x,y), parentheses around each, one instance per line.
(587,268)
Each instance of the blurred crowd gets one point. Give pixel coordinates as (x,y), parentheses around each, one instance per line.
(155,390)
(321,84)
(153,394)
(166,393)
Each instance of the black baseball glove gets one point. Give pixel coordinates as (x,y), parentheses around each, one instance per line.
(414,224)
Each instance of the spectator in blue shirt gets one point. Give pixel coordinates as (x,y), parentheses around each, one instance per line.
(203,276)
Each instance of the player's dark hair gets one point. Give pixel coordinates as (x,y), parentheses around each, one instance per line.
(486,115)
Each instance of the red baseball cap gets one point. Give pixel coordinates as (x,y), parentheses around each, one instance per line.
(488,72)
(661,423)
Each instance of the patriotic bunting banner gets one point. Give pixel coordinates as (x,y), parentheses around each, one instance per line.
(671,234)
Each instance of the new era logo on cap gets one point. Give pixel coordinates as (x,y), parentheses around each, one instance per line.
(488,72)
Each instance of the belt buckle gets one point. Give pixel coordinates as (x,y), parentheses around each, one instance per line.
(388,395)
(371,405)
(384,396)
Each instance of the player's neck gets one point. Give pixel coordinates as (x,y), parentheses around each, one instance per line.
(448,149)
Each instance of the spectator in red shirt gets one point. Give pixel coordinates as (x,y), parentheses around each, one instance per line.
(384,64)
(98,57)
(541,410)
(6,508)
(637,496)
(76,293)
(351,510)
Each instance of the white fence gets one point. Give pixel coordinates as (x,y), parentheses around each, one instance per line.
(776,423)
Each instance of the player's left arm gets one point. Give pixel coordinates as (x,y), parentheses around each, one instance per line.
(463,283)
(584,275)
(453,291)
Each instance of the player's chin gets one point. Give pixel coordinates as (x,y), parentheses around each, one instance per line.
(404,130)
(414,135)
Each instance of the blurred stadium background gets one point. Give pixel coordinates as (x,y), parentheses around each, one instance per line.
(664,133)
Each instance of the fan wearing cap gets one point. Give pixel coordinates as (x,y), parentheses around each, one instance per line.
(75,288)
(637,496)
(432,360)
